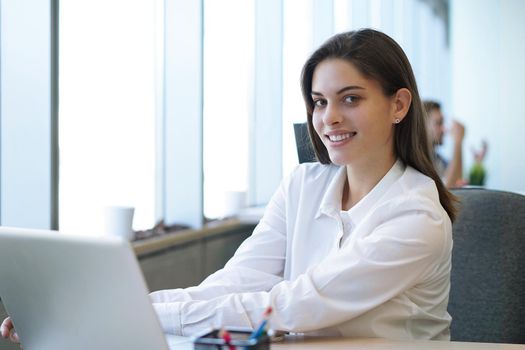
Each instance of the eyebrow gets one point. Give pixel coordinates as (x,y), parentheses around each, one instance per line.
(346,88)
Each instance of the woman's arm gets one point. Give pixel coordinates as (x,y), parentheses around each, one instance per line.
(393,258)
(257,265)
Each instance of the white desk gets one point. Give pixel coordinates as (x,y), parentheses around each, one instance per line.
(181,343)
(383,344)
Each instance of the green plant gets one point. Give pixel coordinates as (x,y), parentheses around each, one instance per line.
(477,175)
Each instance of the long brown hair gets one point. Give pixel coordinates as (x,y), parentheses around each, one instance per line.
(379,57)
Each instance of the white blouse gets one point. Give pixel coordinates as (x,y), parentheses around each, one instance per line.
(381,269)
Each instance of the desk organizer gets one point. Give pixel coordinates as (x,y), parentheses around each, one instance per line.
(240,340)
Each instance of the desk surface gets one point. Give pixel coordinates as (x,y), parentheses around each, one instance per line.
(310,343)
(384,344)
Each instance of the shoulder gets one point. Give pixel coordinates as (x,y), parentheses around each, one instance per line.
(416,190)
(410,218)
(414,200)
(312,172)
(309,182)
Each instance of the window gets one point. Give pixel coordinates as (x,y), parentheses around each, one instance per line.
(245,96)
(297,45)
(228,98)
(107,111)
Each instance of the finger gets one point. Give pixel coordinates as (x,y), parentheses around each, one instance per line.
(13,336)
(5,327)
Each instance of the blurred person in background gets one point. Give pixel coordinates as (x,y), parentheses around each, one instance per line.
(450,171)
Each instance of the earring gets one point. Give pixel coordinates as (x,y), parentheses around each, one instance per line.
(397,121)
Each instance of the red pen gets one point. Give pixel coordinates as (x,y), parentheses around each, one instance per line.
(226,336)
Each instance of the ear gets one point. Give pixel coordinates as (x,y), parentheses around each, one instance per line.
(401,104)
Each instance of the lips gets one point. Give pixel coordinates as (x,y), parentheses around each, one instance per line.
(340,137)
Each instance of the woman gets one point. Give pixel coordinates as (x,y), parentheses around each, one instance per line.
(356,245)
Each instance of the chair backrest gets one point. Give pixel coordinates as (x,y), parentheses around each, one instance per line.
(305,150)
(487,296)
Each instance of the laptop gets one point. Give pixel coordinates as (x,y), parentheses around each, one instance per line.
(75,292)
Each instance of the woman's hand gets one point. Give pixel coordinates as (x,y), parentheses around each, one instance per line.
(7,329)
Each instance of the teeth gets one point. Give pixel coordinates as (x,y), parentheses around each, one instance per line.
(335,138)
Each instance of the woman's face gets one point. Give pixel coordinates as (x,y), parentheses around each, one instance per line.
(352,115)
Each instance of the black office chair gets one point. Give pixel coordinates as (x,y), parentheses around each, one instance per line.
(305,150)
(487,296)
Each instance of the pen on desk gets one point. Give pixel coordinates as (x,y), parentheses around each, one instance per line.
(257,333)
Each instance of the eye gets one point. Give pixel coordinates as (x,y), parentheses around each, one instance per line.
(350,99)
(319,103)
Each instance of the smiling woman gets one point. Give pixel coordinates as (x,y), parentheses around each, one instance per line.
(357,245)
(365,58)
(355,120)
(352,115)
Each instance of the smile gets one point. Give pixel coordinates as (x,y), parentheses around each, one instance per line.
(340,137)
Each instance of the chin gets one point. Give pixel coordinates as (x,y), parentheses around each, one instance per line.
(339,160)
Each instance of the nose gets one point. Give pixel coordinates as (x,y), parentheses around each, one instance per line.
(332,114)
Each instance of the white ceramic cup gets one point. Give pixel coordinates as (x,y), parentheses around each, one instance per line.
(234,202)
(118,221)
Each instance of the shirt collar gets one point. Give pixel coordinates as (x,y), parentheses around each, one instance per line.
(331,202)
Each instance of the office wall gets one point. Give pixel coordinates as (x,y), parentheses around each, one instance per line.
(488,70)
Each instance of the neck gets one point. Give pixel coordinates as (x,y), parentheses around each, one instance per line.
(361,179)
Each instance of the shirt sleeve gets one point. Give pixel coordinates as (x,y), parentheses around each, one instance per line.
(397,254)
(258,264)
